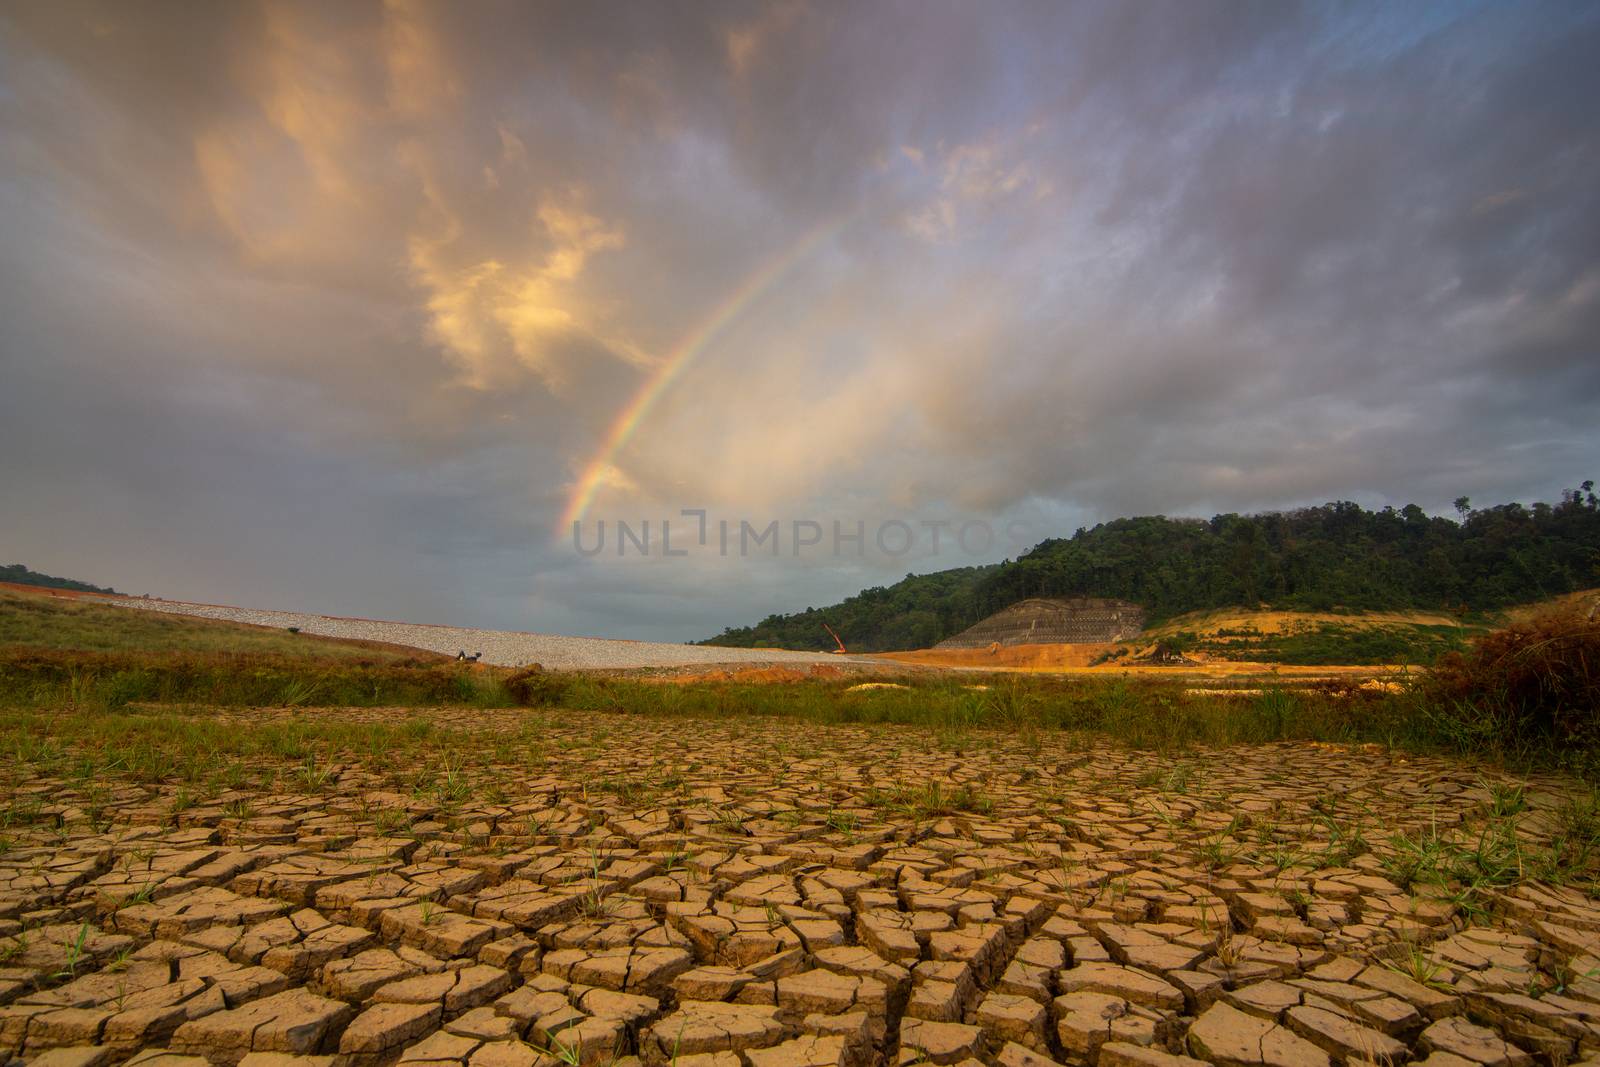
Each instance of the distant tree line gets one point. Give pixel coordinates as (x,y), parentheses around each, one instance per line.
(1337,556)
(17,574)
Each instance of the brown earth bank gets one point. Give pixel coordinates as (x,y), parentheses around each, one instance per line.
(1267,621)
(1219,628)
(1013,657)
(756,674)
(1585,601)
(48,591)
(484,888)
(94,604)
(1077,660)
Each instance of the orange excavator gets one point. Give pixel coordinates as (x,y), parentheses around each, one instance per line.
(834,651)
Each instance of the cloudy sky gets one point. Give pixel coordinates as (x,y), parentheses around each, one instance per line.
(356,307)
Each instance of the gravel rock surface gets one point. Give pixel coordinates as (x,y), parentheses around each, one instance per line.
(505,648)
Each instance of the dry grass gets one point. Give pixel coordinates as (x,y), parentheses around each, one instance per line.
(1526,696)
(39,621)
(1535,682)
(1210,623)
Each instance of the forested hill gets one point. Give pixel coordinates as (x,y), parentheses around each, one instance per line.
(1335,556)
(916,612)
(20,575)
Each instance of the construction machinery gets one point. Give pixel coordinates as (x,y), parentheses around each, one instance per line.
(834,651)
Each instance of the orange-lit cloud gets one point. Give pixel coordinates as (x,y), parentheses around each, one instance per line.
(493,318)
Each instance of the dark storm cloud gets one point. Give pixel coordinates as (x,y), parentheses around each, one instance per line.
(1384,261)
(331,306)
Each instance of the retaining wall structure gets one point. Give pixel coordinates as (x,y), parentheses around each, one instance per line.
(1052,621)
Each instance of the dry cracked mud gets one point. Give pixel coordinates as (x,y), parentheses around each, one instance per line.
(765,893)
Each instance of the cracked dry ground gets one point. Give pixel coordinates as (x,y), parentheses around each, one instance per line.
(769,893)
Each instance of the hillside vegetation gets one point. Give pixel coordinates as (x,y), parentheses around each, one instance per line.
(17,574)
(1338,557)
(916,612)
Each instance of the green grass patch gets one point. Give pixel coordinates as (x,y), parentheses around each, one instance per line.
(195,744)
(1142,713)
(103,680)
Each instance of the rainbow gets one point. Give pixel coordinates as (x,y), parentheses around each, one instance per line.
(689,348)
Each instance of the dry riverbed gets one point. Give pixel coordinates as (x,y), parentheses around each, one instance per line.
(758,892)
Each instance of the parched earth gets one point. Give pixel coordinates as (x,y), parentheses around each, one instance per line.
(766,893)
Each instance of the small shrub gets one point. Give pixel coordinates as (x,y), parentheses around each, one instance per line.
(1180,642)
(1272,713)
(1536,682)
(532,687)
